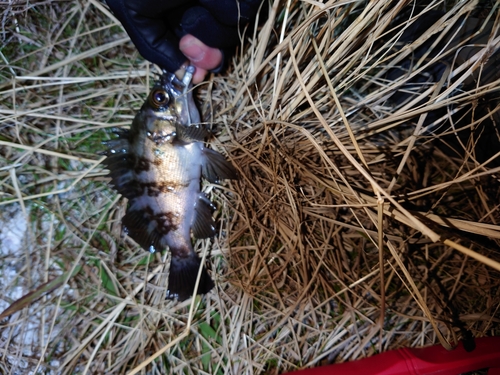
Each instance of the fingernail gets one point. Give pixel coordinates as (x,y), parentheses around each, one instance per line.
(192,50)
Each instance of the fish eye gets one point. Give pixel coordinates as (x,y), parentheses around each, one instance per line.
(159,98)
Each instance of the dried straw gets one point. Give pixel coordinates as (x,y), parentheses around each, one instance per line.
(365,218)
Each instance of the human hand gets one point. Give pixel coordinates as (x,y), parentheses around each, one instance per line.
(169,31)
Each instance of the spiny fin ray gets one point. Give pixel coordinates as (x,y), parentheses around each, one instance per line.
(122,177)
(215,167)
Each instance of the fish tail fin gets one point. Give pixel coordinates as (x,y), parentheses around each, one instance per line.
(183,275)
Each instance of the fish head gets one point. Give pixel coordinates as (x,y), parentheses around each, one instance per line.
(172,99)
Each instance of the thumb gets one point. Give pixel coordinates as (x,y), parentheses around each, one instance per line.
(200,55)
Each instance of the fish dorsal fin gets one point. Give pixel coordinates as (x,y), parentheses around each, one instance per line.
(122,176)
(215,167)
(120,163)
(192,133)
(203,223)
(142,228)
(120,145)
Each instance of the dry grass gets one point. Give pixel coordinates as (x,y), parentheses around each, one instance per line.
(351,231)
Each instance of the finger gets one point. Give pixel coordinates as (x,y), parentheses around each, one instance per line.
(200,55)
(152,8)
(151,36)
(199,22)
(199,75)
(232,12)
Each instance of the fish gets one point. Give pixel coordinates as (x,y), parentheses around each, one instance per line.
(157,165)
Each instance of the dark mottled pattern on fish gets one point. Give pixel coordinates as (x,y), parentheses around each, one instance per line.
(157,165)
(142,165)
(154,189)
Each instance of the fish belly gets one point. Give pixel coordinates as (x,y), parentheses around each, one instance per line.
(169,183)
(163,214)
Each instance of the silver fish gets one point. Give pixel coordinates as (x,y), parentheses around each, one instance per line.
(157,165)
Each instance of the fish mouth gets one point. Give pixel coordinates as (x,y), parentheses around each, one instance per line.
(182,85)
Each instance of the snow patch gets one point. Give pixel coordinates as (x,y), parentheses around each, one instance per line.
(13,227)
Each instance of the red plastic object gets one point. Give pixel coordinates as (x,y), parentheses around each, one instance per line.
(424,361)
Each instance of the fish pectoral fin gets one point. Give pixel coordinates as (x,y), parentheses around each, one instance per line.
(203,223)
(142,229)
(191,133)
(215,167)
(182,277)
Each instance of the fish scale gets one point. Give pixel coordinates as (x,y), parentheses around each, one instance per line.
(157,165)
